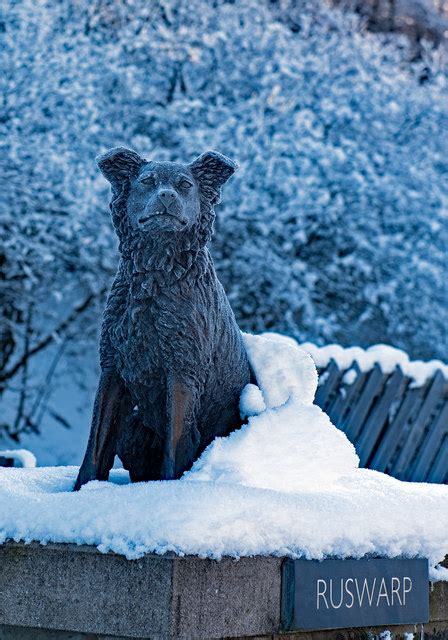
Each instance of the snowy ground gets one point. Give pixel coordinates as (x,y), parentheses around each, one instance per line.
(287,483)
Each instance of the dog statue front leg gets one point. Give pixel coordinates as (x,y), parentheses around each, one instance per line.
(182,436)
(108,411)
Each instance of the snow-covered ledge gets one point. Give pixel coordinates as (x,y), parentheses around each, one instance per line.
(78,589)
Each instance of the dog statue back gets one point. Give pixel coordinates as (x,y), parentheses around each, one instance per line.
(173,363)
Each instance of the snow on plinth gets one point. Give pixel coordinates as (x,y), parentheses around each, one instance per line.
(286,484)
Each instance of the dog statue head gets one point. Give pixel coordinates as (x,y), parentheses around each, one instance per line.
(159,201)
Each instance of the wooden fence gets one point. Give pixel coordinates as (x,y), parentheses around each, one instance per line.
(396,427)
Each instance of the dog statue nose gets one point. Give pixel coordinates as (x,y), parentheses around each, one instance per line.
(167,196)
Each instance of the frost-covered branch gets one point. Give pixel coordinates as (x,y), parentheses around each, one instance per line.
(47,340)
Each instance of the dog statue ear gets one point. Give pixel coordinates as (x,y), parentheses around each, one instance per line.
(119,164)
(211,170)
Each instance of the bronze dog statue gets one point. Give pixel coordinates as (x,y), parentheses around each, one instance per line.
(172,358)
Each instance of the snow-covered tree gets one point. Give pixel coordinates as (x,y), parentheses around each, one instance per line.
(334,229)
(418,19)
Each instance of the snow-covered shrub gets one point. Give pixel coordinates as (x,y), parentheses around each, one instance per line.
(333,230)
(418,19)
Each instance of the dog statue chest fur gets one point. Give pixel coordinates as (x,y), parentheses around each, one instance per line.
(173,364)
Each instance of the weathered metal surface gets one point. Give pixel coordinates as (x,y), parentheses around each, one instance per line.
(173,363)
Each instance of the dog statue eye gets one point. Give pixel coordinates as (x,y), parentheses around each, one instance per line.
(148,181)
(185,184)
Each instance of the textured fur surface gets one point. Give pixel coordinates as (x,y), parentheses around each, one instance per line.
(172,357)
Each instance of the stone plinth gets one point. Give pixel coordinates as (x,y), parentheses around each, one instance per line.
(70,592)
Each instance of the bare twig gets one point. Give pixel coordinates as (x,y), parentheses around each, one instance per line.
(42,399)
(77,311)
(23,389)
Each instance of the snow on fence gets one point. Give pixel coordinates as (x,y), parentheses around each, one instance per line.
(17,458)
(393,410)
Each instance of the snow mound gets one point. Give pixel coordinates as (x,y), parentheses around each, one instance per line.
(291,443)
(285,484)
(285,449)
